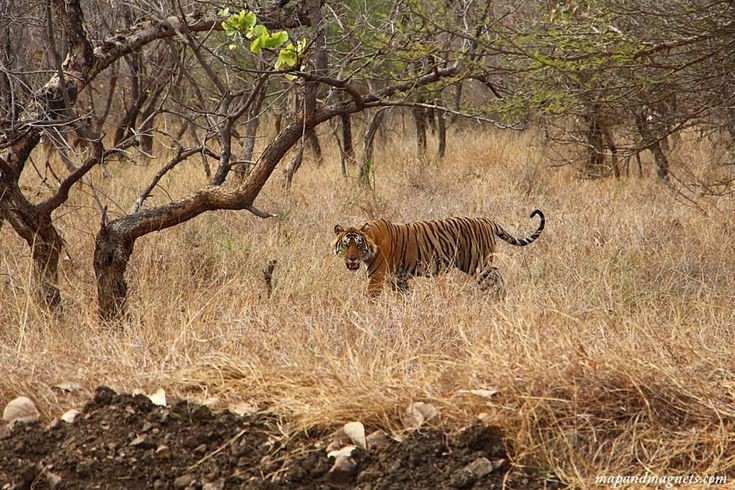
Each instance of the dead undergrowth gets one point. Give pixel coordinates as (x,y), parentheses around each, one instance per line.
(612,354)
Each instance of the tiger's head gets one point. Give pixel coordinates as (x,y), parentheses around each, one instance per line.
(354,245)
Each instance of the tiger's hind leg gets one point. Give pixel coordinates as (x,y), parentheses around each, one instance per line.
(399,282)
(491,280)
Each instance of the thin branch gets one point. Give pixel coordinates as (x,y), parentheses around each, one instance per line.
(260,214)
(335,82)
(181,155)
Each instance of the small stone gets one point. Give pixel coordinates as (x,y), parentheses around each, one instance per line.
(184,480)
(343,452)
(483,466)
(163,452)
(356,432)
(53,480)
(142,442)
(68,386)
(200,449)
(21,409)
(215,485)
(416,414)
(242,408)
(158,398)
(462,479)
(377,440)
(70,416)
(470,474)
(54,424)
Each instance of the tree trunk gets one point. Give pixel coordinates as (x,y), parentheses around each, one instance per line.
(315,146)
(369,139)
(595,144)
(442,135)
(610,144)
(457,102)
(653,144)
(294,165)
(347,145)
(38,230)
(419,118)
(45,251)
(111,254)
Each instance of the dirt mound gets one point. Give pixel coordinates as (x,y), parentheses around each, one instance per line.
(125,441)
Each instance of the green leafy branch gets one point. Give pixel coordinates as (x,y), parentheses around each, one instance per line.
(243,25)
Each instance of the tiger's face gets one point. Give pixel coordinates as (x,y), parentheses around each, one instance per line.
(354,245)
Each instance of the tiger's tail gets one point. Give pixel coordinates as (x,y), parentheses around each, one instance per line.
(520,242)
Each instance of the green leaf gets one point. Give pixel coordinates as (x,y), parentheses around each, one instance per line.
(229,26)
(241,22)
(256,44)
(276,39)
(258,30)
(248,20)
(287,58)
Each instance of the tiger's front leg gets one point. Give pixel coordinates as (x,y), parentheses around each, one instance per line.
(399,282)
(375,284)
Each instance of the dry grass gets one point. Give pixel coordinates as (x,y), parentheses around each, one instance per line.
(614,352)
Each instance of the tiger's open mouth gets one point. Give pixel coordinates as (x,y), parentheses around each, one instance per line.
(352,265)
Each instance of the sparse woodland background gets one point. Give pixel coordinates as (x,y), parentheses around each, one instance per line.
(151,167)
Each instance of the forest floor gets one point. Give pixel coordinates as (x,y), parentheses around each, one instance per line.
(126,441)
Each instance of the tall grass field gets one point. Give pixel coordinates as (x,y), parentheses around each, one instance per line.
(613,352)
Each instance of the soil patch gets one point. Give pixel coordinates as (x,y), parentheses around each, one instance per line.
(125,441)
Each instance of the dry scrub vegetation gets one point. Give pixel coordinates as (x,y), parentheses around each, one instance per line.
(613,353)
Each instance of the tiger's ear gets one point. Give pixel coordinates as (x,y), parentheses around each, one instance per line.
(338,229)
(365,227)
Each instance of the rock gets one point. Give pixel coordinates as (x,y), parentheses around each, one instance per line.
(70,416)
(343,452)
(356,432)
(142,442)
(483,466)
(242,408)
(377,440)
(470,474)
(68,386)
(215,485)
(184,480)
(158,398)
(163,452)
(53,480)
(21,409)
(417,414)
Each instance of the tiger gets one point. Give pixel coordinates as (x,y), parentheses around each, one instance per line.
(398,252)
